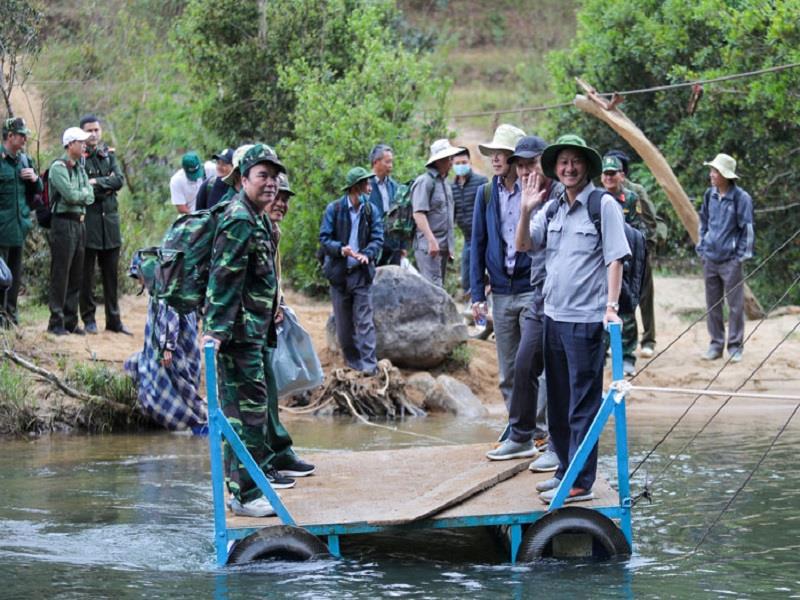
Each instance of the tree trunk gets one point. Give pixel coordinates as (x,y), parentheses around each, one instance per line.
(663,173)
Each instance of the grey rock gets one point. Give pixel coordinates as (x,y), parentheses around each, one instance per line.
(451,395)
(417,323)
(418,386)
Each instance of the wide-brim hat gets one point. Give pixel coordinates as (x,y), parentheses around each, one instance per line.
(725,164)
(574,142)
(505,138)
(355,176)
(442,149)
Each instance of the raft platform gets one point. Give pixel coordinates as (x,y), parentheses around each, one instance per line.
(430,487)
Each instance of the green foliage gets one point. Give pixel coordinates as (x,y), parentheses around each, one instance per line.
(461,356)
(234,50)
(386,93)
(100,380)
(756,120)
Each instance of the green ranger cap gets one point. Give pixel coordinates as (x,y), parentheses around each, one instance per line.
(192,166)
(612,163)
(354,176)
(15,126)
(260,153)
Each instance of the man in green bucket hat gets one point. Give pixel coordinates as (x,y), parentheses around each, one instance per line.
(581,295)
(351,236)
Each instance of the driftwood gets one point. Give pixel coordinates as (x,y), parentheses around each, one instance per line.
(364,396)
(608,112)
(55,380)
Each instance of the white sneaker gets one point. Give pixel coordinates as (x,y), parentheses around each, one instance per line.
(628,369)
(510,449)
(259,507)
(546,462)
(548,484)
(647,352)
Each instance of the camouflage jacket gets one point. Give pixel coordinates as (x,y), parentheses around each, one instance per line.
(242,285)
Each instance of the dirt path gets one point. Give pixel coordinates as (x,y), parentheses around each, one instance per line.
(678,301)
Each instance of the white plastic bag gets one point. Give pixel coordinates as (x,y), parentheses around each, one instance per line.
(294,361)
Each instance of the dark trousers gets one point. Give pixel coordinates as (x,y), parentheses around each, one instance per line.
(67,242)
(355,327)
(573,363)
(249,399)
(523,409)
(108,261)
(723,279)
(647,306)
(12,255)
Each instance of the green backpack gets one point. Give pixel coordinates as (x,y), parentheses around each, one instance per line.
(184,259)
(399,221)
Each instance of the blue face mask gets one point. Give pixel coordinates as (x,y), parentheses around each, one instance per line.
(461,170)
(363,198)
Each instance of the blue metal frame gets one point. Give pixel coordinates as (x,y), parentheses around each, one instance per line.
(613,402)
(219,428)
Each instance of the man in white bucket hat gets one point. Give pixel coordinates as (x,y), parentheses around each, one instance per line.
(726,241)
(432,203)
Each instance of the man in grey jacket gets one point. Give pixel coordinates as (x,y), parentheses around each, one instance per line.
(726,241)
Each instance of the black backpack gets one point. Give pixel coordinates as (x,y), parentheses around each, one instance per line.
(632,267)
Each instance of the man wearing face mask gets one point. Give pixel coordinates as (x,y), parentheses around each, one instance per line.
(464,185)
(351,235)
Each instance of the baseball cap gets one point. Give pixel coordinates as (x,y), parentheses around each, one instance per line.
(260,153)
(73,134)
(612,163)
(529,146)
(192,166)
(15,126)
(225,155)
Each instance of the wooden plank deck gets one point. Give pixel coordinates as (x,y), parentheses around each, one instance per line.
(391,487)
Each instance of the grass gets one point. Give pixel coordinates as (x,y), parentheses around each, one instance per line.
(99,380)
(17,405)
(460,357)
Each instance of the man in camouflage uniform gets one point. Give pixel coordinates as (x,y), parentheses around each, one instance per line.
(241,301)
(103,238)
(18,179)
(613,179)
(70,193)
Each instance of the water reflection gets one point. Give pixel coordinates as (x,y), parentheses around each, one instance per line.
(124,516)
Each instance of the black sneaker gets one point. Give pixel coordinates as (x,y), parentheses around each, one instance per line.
(91,328)
(279,481)
(298,468)
(77,331)
(57,330)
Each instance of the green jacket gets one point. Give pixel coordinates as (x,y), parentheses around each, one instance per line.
(242,285)
(70,191)
(102,217)
(15,219)
(656,228)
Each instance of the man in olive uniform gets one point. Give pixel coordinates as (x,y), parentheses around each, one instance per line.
(70,193)
(18,178)
(103,239)
(241,301)
(613,180)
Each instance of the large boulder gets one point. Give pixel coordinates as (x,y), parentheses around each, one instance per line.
(451,395)
(417,323)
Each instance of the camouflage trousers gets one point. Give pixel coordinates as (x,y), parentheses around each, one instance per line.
(249,399)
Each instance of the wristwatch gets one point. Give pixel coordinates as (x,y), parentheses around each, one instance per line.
(613,305)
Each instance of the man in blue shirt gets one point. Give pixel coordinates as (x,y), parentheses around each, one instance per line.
(351,235)
(581,295)
(726,241)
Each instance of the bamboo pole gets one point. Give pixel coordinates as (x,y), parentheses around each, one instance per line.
(608,112)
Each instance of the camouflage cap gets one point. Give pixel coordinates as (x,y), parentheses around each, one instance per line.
(611,164)
(259,153)
(15,125)
(283,184)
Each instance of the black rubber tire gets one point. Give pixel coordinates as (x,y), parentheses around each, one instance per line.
(280,542)
(608,541)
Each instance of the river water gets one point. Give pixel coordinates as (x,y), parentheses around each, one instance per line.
(129,516)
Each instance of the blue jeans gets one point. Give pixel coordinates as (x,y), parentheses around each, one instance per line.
(465,267)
